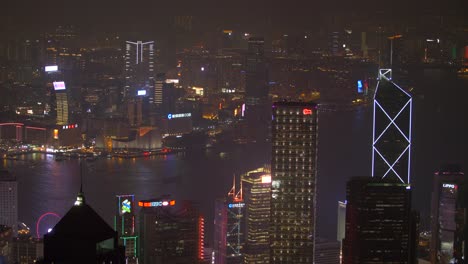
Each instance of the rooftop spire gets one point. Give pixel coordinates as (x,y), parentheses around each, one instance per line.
(80,199)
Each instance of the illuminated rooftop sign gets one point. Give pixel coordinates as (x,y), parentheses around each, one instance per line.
(126,206)
(52,68)
(156,203)
(172,81)
(172,116)
(306,111)
(236,205)
(451,186)
(59,86)
(70,126)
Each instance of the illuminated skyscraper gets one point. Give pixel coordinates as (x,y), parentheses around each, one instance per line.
(125,226)
(229,237)
(257,196)
(293,188)
(139,66)
(170,232)
(8,200)
(379,222)
(61,103)
(449,213)
(391,147)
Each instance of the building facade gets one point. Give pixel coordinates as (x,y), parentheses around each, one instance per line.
(293,187)
(379,222)
(257,196)
(171,233)
(8,200)
(139,67)
(448,243)
(229,238)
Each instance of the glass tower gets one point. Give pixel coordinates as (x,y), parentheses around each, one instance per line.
(391,145)
(293,187)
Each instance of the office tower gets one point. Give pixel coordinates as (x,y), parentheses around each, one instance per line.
(125,226)
(256,90)
(135,110)
(8,200)
(391,147)
(327,252)
(170,232)
(82,236)
(229,237)
(448,244)
(293,187)
(139,66)
(61,103)
(341,223)
(378,222)
(257,196)
(157,96)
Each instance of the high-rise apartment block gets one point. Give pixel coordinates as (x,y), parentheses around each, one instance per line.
(293,187)
(449,216)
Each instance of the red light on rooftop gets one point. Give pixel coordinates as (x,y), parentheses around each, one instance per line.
(307,111)
(172,203)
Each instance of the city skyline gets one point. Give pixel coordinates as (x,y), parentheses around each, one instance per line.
(295,101)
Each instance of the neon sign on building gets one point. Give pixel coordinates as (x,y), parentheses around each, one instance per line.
(156,203)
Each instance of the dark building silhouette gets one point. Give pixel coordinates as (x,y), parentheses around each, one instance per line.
(82,236)
(380,226)
(256,90)
(448,214)
(171,233)
(293,186)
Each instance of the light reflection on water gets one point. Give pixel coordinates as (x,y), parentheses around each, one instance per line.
(46,185)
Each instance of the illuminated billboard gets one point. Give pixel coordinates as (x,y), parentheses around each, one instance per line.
(172,81)
(359,86)
(141,92)
(156,203)
(52,68)
(236,205)
(172,116)
(59,86)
